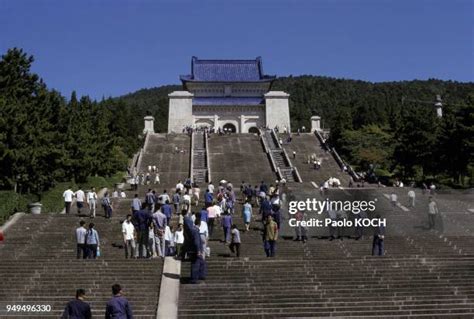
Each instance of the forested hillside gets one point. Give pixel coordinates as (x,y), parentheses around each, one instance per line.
(46,138)
(370,124)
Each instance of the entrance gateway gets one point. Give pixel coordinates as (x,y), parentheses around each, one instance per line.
(231,94)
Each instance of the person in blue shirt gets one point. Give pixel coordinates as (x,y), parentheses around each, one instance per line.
(77,308)
(247,214)
(176,201)
(378,243)
(265,208)
(195,252)
(141,220)
(204,214)
(92,242)
(208,198)
(167,210)
(136,204)
(118,307)
(226,224)
(263,187)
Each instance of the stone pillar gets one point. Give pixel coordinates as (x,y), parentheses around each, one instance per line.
(315,123)
(277,112)
(216,122)
(439,106)
(149,124)
(180,111)
(242,124)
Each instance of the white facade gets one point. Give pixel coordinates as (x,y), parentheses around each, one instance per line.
(180,111)
(277,110)
(149,124)
(228,94)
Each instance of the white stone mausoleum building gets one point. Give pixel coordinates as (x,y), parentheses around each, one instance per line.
(231,94)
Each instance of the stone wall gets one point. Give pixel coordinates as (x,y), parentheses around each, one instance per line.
(180,111)
(277,110)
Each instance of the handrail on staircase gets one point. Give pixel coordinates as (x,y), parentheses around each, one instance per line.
(267,150)
(298,176)
(336,156)
(287,158)
(279,174)
(139,159)
(275,139)
(191,160)
(208,161)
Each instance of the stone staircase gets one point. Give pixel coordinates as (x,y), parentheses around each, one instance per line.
(422,274)
(239,157)
(171,164)
(425,273)
(283,165)
(199,153)
(305,145)
(39,266)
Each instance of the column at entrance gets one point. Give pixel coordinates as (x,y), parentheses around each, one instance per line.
(216,122)
(242,123)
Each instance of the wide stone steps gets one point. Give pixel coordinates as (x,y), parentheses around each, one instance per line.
(39,266)
(326,288)
(305,145)
(239,157)
(200,161)
(161,152)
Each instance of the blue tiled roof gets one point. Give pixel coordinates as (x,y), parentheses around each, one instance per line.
(228,101)
(226,71)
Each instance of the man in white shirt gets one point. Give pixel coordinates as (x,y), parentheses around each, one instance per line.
(187,202)
(210,187)
(128,231)
(204,233)
(411,197)
(122,194)
(68,195)
(81,232)
(80,196)
(432,212)
(393,199)
(163,198)
(180,186)
(92,202)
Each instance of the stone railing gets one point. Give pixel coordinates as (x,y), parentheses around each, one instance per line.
(139,160)
(279,174)
(147,140)
(191,159)
(267,150)
(276,139)
(208,160)
(336,156)
(287,159)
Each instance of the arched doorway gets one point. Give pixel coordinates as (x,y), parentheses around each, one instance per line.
(229,128)
(254,130)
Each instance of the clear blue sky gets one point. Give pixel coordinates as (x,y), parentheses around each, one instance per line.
(109,48)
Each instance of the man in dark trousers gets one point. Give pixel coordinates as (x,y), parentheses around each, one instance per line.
(379,236)
(81,233)
(141,220)
(194,251)
(118,307)
(77,308)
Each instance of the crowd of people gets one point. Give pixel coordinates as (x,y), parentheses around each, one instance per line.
(181,223)
(152,176)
